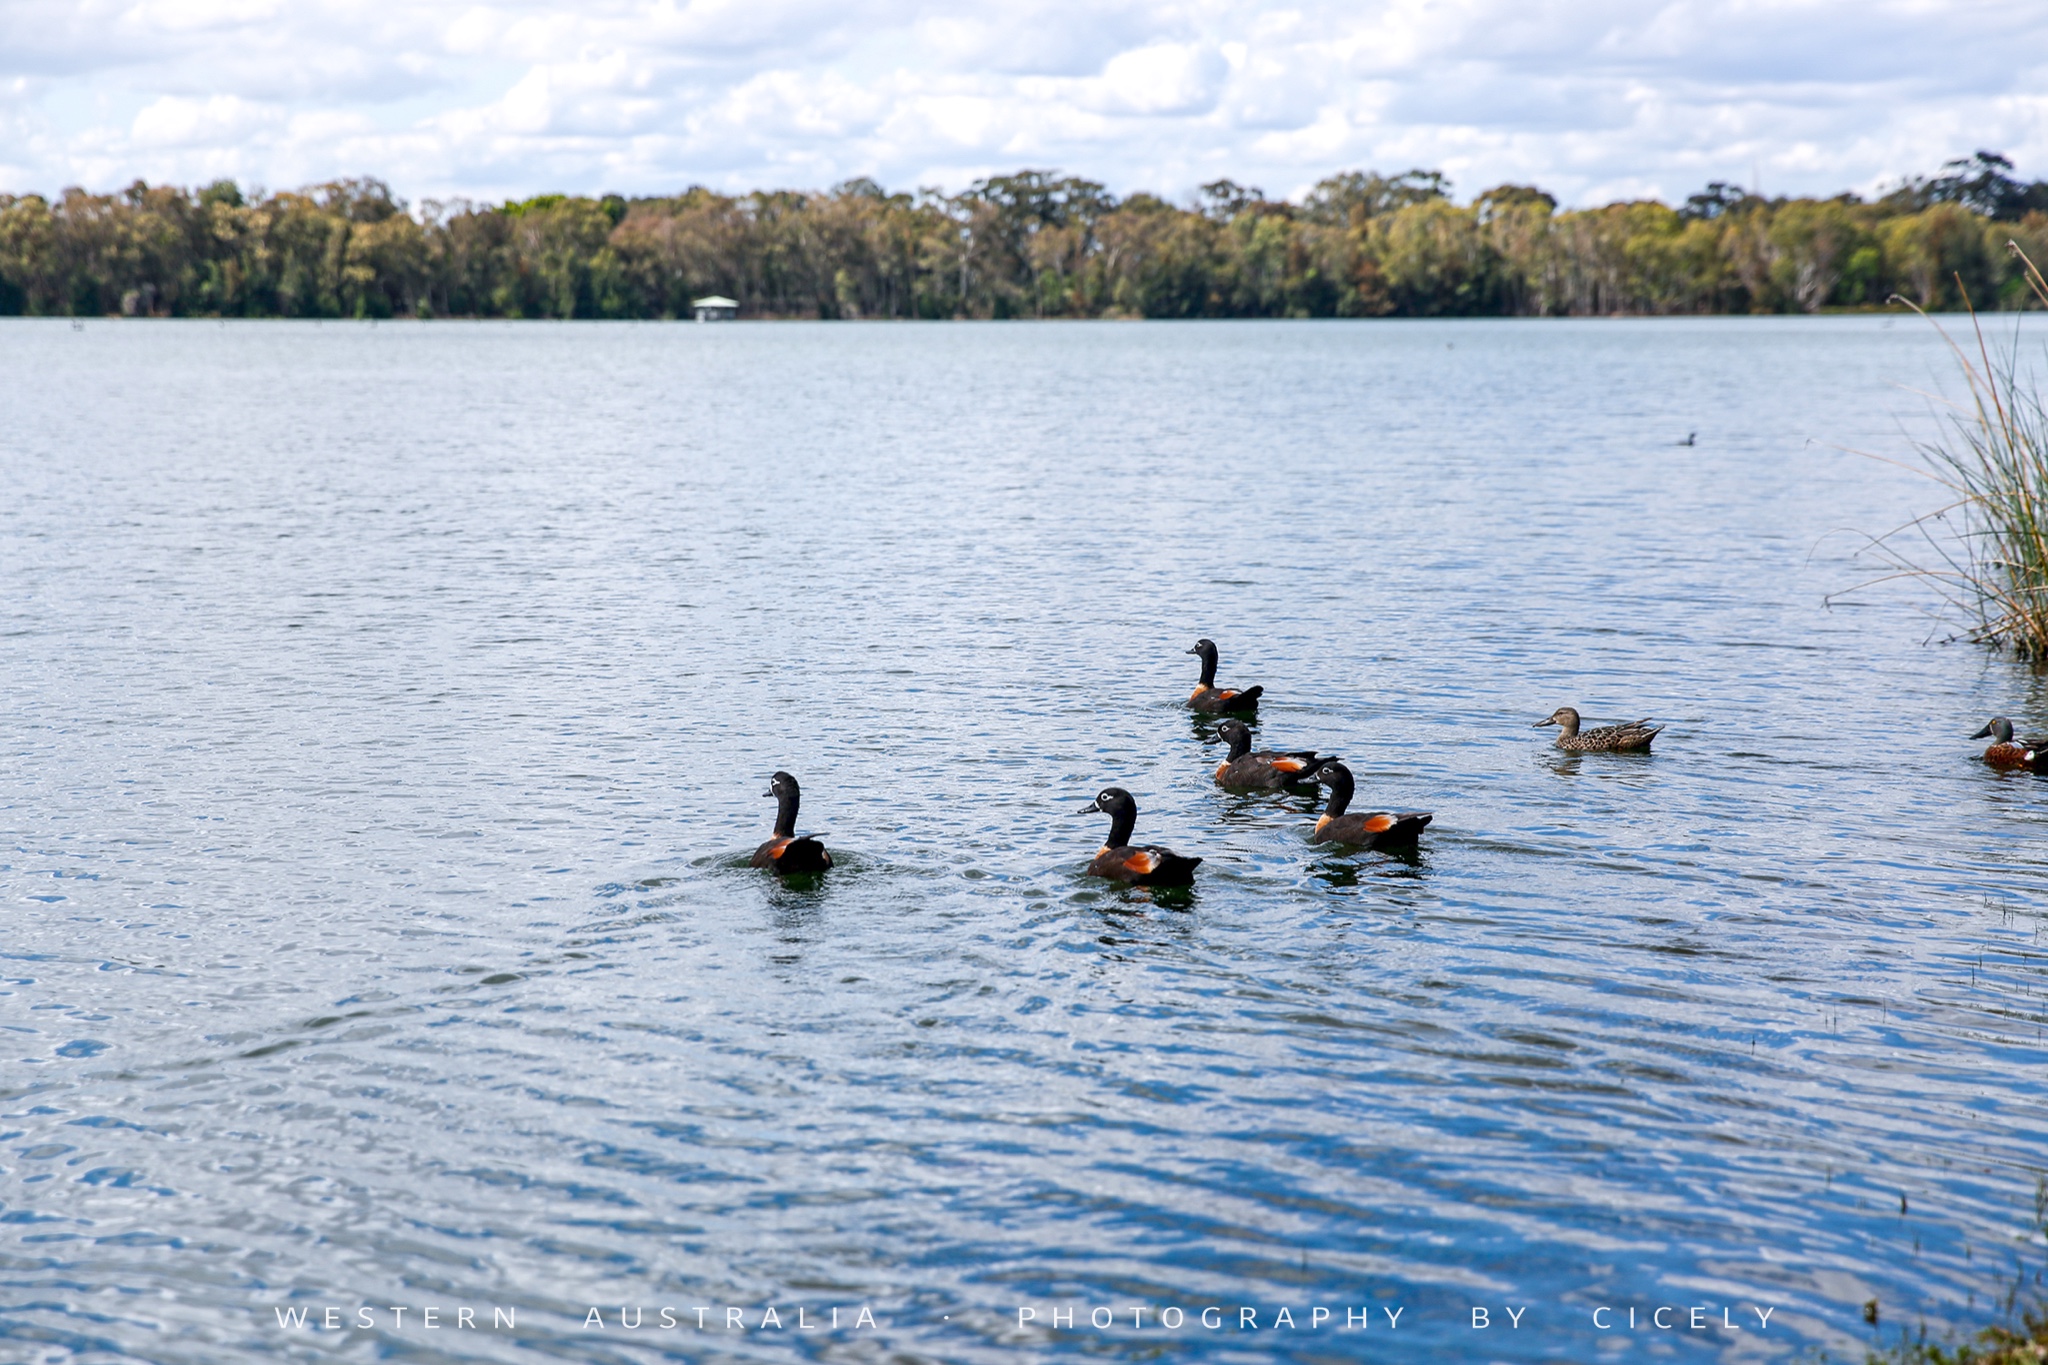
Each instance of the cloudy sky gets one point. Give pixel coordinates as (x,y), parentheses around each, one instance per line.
(1594,100)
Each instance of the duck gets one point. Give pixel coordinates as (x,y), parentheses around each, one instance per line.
(1147,865)
(2005,751)
(789,851)
(1264,770)
(1214,700)
(1632,738)
(1367,829)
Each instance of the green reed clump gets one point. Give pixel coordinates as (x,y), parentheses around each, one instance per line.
(1986,551)
(2021,1339)
(2026,1344)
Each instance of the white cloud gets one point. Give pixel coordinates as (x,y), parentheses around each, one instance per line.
(1589,98)
(1165,78)
(175,121)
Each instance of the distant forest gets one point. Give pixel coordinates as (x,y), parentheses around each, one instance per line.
(1032,244)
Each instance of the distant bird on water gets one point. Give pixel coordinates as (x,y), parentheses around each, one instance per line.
(788,851)
(1633,737)
(1214,700)
(1265,770)
(1690,437)
(1118,860)
(2007,752)
(1376,829)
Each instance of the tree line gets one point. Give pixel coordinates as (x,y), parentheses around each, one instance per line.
(1031,244)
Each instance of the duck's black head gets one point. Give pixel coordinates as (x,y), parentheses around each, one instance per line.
(1206,649)
(1237,735)
(1337,778)
(784,789)
(1110,801)
(1998,728)
(1122,811)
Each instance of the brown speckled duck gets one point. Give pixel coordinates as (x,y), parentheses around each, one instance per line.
(788,851)
(2005,751)
(1632,738)
(1119,861)
(1264,770)
(1214,700)
(1377,829)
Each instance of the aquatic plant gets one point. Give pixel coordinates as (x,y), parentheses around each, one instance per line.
(2023,1344)
(2021,1339)
(1986,550)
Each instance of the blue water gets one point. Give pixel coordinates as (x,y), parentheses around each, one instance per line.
(385,713)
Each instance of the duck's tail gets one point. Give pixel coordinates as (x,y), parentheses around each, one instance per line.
(1408,827)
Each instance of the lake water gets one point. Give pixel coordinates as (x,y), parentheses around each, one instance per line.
(387,712)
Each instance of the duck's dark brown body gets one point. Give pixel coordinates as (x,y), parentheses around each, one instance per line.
(1216,701)
(789,852)
(1146,866)
(1266,770)
(1213,700)
(1119,860)
(1374,829)
(1378,829)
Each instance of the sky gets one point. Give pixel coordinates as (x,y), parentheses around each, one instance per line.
(1594,101)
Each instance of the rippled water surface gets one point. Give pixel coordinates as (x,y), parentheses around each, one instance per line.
(387,712)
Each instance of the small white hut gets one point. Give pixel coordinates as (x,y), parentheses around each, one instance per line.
(716,308)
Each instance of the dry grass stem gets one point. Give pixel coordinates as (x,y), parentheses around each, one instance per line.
(1986,551)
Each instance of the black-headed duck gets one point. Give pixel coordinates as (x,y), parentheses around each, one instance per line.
(1265,770)
(1214,700)
(1119,861)
(1632,738)
(1365,829)
(788,851)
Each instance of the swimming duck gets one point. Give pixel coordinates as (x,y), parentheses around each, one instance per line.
(1216,700)
(1632,738)
(1367,829)
(1144,866)
(2005,752)
(788,851)
(1264,770)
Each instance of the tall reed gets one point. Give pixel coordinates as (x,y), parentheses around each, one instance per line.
(1986,551)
